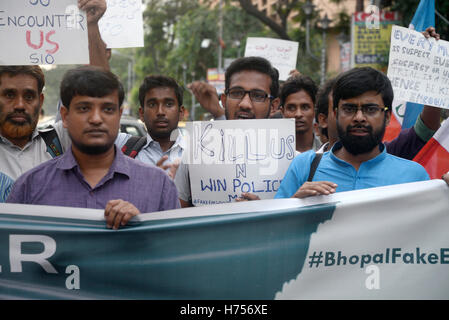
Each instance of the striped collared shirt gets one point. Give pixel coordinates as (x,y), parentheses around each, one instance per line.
(5,186)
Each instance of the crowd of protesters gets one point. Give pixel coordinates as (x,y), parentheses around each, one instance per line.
(83,160)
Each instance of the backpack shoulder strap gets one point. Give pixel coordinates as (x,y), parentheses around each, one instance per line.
(52,141)
(133,146)
(314,165)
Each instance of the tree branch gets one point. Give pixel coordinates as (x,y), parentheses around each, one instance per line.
(273,25)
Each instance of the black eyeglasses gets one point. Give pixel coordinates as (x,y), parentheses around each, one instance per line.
(255,95)
(370,110)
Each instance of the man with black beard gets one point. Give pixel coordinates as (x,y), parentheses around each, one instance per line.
(92,173)
(362,100)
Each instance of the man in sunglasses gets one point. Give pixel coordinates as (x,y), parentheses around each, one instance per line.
(251,92)
(362,100)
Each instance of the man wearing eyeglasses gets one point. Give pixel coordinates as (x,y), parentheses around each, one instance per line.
(362,100)
(251,92)
(251,89)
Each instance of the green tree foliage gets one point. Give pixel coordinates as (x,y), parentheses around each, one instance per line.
(175,30)
(200,24)
(160,18)
(53,78)
(288,22)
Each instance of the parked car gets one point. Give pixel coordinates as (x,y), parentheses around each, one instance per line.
(132,126)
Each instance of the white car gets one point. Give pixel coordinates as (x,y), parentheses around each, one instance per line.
(132,126)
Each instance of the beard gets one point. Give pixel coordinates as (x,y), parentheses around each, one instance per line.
(17,130)
(360,144)
(161,134)
(92,149)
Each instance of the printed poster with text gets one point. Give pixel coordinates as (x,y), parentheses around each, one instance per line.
(371,38)
(281,53)
(37,32)
(227,158)
(419,68)
(122,24)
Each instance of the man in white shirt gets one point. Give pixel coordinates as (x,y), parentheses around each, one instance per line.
(161,110)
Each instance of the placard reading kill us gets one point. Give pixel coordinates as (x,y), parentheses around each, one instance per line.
(419,68)
(227,158)
(36,32)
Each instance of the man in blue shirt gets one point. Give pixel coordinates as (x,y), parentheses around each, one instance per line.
(362,100)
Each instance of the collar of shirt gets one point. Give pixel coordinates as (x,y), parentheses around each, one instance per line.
(323,148)
(67,162)
(316,143)
(34,135)
(338,145)
(175,134)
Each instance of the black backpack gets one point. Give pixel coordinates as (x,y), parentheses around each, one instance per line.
(52,141)
(133,146)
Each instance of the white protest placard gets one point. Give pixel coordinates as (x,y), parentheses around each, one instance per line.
(122,24)
(226,158)
(281,53)
(40,32)
(419,68)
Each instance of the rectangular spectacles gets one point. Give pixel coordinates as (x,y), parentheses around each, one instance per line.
(255,95)
(370,110)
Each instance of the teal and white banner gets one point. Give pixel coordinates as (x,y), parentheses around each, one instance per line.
(381,243)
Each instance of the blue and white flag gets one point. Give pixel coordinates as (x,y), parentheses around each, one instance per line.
(424,17)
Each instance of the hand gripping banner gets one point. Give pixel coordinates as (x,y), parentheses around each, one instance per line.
(381,243)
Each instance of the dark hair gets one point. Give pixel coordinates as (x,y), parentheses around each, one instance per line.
(322,98)
(158,81)
(259,64)
(322,102)
(357,81)
(89,81)
(34,71)
(297,83)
